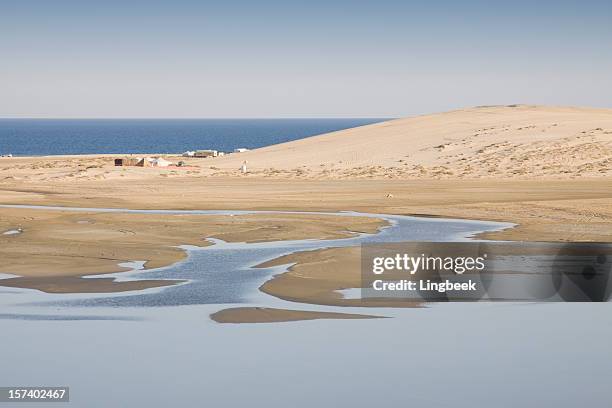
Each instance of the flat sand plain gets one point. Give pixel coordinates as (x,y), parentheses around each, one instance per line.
(55,248)
(547,169)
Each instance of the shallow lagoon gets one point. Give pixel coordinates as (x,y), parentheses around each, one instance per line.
(159,348)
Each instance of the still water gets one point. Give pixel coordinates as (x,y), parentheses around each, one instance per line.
(35,137)
(158,348)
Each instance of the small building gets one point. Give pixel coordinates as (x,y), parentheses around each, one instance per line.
(144,162)
(128,161)
(189,153)
(205,153)
(241,150)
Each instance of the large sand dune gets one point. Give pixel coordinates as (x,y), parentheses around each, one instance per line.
(499,141)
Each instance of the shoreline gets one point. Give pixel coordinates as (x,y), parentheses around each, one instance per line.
(52,240)
(101,284)
(542,211)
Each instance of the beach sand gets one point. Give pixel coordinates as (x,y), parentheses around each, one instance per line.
(556,210)
(547,169)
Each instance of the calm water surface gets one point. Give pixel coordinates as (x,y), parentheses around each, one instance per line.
(34,137)
(158,348)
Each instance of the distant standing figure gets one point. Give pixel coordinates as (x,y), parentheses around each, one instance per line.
(243,168)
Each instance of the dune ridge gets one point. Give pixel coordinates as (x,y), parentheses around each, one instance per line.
(515,141)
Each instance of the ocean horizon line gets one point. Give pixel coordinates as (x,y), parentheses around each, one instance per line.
(204,118)
(60,136)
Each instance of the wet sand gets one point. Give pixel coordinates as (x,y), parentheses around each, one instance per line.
(55,243)
(56,247)
(318,276)
(77,284)
(269,315)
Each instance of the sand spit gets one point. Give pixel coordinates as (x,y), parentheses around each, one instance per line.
(76,284)
(269,315)
(318,277)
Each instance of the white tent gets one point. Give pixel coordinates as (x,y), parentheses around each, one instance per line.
(160,162)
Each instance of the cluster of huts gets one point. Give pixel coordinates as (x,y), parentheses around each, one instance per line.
(203,153)
(143,162)
(211,153)
(161,162)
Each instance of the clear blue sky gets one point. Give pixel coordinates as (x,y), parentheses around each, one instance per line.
(299,58)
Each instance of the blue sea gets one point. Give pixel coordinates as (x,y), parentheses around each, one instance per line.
(33,137)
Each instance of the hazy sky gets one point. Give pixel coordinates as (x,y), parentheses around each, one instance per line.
(299,58)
